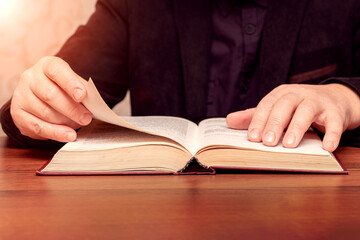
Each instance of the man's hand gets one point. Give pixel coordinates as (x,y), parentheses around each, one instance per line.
(46,102)
(331,108)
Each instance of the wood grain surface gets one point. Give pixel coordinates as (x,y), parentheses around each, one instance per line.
(223,206)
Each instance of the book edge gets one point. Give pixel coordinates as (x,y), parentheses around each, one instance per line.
(212,170)
(281,170)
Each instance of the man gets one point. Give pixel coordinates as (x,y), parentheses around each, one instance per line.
(203,58)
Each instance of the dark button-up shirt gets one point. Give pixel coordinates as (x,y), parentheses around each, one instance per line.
(237,28)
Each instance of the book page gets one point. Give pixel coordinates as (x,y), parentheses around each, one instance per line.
(215,131)
(101,136)
(180,130)
(100,110)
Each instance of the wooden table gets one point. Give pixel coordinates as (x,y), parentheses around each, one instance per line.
(226,206)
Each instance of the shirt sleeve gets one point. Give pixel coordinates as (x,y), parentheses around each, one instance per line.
(100,49)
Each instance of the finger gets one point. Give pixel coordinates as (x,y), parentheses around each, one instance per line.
(263,111)
(304,116)
(240,119)
(55,97)
(33,127)
(43,111)
(279,118)
(260,118)
(334,127)
(61,73)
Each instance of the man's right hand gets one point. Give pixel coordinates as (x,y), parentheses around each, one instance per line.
(46,103)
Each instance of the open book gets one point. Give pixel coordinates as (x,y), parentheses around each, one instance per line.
(163,145)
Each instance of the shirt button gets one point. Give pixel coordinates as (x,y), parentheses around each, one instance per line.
(250,29)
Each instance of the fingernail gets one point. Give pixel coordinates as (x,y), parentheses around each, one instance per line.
(290,139)
(254,134)
(78,93)
(269,137)
(70,136)
(230,114)
(85,118)
(330,145)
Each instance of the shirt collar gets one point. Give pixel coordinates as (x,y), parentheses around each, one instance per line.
(225,6)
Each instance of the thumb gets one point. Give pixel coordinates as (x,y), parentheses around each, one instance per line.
(240,119)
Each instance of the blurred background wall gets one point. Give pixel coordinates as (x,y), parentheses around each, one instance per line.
(30,29)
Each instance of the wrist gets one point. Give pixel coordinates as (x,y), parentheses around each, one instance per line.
(349,100)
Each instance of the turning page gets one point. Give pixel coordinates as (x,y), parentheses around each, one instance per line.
(180,130)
